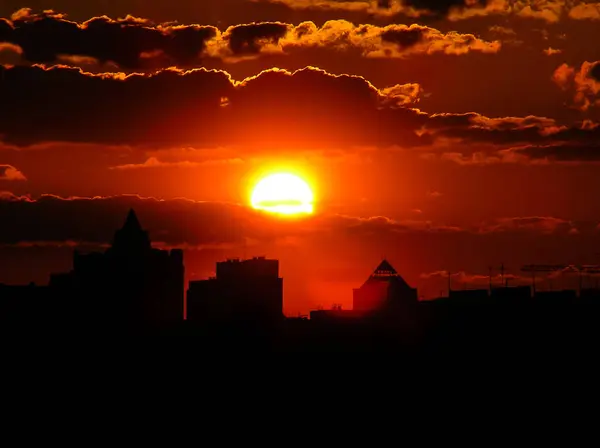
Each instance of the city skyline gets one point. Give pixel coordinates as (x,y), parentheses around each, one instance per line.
(446,138)
(251,282)
(131,289)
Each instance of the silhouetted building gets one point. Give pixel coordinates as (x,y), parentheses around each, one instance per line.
(591,295)
(384,299)
(335,315)
(384,289)
(243,290)
(22,303)
(561,297)
(468,297)
(511,294)
(131,283)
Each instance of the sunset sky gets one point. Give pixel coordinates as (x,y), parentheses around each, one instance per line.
(442,135)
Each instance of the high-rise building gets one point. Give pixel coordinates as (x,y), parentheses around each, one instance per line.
(130,283)
(242,290)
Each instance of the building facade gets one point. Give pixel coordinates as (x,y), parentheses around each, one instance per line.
(242,290)
(129,284)
(385,289)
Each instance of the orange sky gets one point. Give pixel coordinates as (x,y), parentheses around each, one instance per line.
(442,136)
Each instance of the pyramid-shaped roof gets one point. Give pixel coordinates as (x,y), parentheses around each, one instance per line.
(385,269)
(385,273)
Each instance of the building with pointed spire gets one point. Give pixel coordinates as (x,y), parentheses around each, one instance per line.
(130,283)
(384,289)
(131,238)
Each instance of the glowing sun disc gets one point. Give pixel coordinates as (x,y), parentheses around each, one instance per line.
(283,193)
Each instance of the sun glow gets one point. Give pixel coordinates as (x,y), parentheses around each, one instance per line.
(284,194)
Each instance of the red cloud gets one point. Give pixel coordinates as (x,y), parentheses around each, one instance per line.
(583,83)
(8,172)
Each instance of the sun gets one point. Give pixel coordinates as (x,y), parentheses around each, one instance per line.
(283,193)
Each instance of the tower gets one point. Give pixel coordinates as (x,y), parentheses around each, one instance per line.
(131,238)
(131,284)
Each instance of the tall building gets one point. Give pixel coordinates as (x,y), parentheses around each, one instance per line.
(130,283)
(22,303)
(385,289)
(242,290)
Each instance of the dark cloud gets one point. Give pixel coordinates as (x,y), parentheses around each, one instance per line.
(139,44)
(51,219)
(307,108)
(561,153)
(437,6)
(594,72)
(64,104)
(173,222)
(248,39)
(45,37)
(218,12)
(5,28)
(404,37)
(473,128)
(411,8)
(548,11)
(175,107)
(213,12)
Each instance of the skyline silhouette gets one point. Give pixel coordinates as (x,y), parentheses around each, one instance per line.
(136,290)
(372,150)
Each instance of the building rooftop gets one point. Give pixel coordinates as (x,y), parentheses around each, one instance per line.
(385,269)
(385,272)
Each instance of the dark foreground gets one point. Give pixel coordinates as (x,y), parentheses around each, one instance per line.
(475,331)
